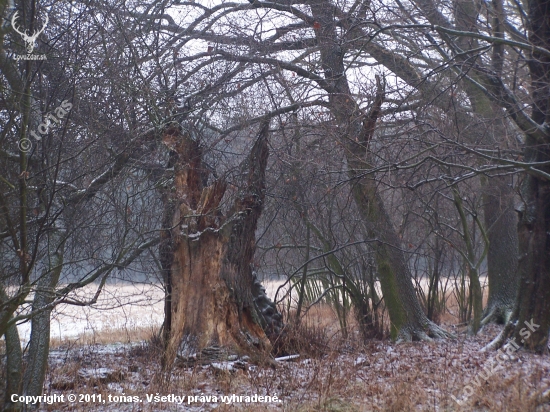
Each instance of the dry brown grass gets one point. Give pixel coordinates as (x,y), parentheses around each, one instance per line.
(333,374)
(106,336)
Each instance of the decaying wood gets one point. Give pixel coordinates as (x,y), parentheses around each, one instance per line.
(206,257)
(207,356)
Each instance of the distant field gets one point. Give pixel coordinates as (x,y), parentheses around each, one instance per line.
(121,307)
(123,312)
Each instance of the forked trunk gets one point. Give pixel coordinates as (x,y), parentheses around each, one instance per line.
(357,128)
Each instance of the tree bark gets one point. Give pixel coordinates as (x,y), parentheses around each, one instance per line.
(39,348)
(502,257)
(408,320)
(14,368)
(500,217)
(207,257)
(533,310)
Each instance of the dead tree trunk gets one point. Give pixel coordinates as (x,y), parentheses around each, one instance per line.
(207,257)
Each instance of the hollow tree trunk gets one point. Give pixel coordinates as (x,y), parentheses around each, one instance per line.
(406,315)
(212,296)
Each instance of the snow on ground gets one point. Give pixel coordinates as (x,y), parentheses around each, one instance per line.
(123,307)
(349,377)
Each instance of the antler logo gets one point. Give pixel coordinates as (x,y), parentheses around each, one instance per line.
(30,41)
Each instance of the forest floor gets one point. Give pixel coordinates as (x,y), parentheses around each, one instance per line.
(333,374)
(346,376)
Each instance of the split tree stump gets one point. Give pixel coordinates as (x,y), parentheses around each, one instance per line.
(206,257)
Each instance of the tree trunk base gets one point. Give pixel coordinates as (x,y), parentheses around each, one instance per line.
(497,342)
(427,333)
(497,313)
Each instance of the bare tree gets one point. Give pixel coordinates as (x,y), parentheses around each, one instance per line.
(60,162)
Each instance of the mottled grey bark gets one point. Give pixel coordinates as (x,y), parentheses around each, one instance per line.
(408,321)
(500,217)
(14,368)
(530,322)
(36,360)
(534,223)
(501,222)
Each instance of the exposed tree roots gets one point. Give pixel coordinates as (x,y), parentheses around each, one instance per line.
(497,313)
(497,342)
(430,332)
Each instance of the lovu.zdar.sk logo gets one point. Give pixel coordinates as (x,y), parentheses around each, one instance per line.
(29,39)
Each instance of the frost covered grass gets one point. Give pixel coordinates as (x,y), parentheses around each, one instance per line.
(106,336)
